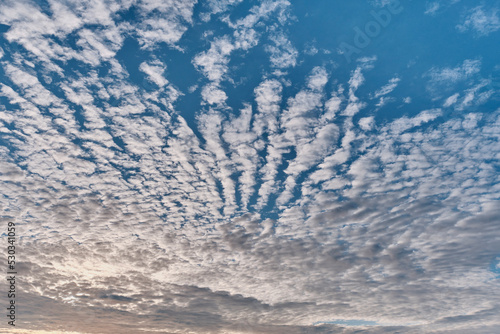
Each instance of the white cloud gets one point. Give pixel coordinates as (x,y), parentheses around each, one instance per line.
(452,75)
(393,83)
(380,226)
(264,11)
(238,134)
(356,80)
(367,123)
(476,95)
(482,22)
(171,19)
(451,100)
(318,79)
(155,72)
(402,124)
(218,7)
(214,62)
(212,94)
(268,98)
(432,8)
(282,53)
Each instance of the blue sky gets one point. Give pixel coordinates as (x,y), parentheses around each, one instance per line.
(234,166)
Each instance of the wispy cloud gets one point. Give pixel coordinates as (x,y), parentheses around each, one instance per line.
(482,21)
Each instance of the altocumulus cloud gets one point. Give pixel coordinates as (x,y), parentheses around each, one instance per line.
(296,210)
